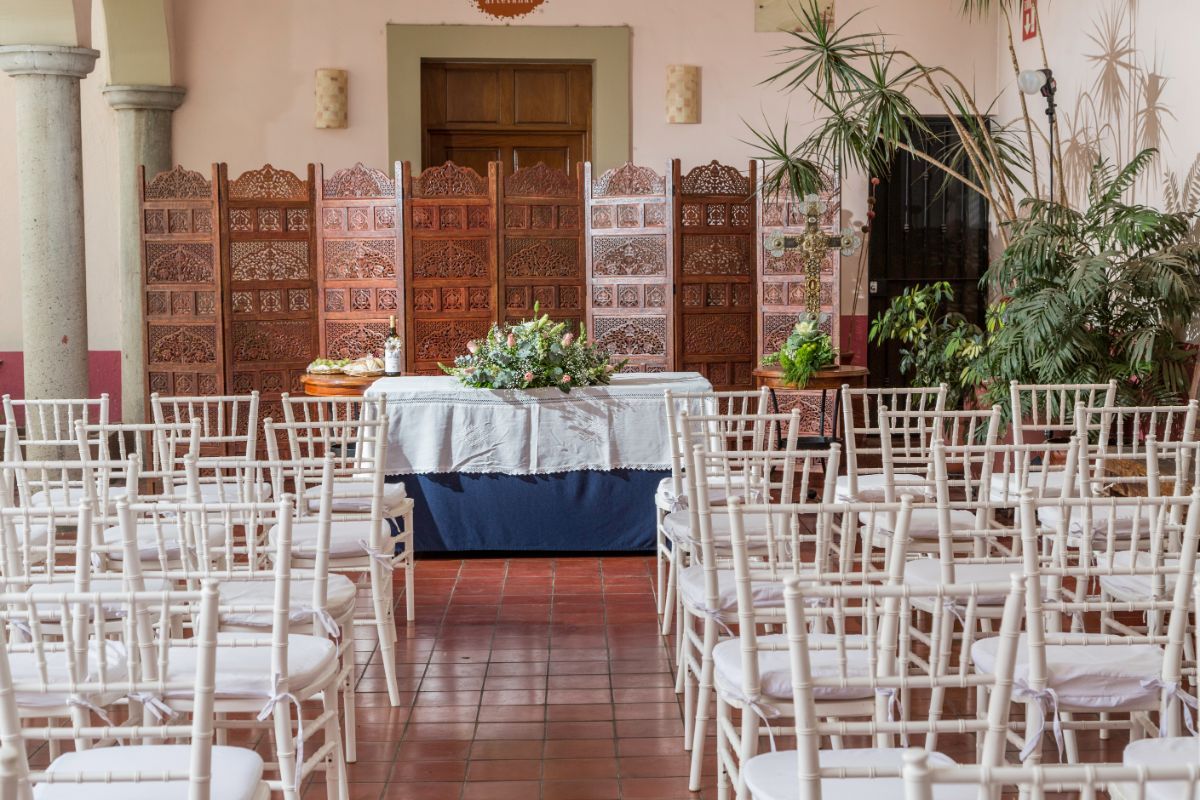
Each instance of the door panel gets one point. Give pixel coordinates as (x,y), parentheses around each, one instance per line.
(924,231)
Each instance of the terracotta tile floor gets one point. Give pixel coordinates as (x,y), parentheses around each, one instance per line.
(524,678)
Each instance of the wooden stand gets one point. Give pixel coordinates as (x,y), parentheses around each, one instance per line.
(336,385)
(822,380)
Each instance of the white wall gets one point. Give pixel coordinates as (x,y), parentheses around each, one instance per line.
(247,68)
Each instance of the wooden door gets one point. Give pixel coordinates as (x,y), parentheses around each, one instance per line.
(517,113)
(924,230)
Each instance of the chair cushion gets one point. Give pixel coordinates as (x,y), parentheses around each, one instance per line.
(926,572)
(245,672)
(345,538)
(147,540)
(775,670)
(871,487)
(1105,677)
(70,497)
(678,525)
(923,524)
(766,594)
(666,499)
(1174,751)
(1007,487)
(339,600)
(1136,587)
(113,610)
(353,496)
(1051,517)
(773,776)
(226,490)
(25,669)
(236,773)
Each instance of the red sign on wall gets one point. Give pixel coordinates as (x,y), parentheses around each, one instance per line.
(1029,20)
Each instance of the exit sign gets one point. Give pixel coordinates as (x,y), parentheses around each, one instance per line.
(1029,20)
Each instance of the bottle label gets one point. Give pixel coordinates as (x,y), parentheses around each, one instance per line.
(391,363)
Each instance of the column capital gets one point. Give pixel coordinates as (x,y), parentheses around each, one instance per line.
(144,97)
(47,59)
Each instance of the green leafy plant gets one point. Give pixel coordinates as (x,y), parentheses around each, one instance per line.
(1107,292)
(534,354)
(806,350)
(936,346)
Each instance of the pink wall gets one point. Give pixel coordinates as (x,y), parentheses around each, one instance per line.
(104,375)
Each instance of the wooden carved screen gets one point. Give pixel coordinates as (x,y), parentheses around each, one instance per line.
(629,265)
(715,273)
(359,261)
(541,244)
(270,278)
(450,262)
(182,284)
(782,288)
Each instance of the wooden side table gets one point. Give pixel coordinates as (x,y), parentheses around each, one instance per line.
(823,381)
(336,385)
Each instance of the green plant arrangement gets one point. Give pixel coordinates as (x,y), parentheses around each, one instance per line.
(806,350)
(1097,294)
(936,346)
(535,354)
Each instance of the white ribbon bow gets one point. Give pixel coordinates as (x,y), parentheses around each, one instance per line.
(83,702)
(155,705)
(894,709)
(764,711)
(1043,700)
(1171,689)
(385,561)
(269,709)
(327,621)
(715,615)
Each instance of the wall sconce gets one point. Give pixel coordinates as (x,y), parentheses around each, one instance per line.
(330,93)
(683,94)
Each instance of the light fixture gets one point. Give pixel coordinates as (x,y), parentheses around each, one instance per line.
(330,98)
(1041,81)
(683,94)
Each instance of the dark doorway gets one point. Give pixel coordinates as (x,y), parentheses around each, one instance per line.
(517,113)
(925,230)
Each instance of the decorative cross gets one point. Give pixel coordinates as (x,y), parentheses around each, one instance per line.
(813,244)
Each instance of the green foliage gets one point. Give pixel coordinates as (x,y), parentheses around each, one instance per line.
(936,346)
(1093,295)
(534,354)
(806,350)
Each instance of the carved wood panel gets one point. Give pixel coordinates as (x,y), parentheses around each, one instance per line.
(450,261)
(181,280)
(716,306)
(781,285)
(360,264)
(541,244)
(629,250)
(269,267)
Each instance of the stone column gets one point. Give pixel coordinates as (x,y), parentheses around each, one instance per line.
(143,139)
(54,333)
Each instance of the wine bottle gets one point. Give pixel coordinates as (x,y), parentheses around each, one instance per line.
(391,350)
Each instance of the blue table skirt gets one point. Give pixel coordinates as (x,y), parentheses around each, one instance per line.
(583,511)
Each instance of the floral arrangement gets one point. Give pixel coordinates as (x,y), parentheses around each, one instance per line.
(806,350)
(534,354)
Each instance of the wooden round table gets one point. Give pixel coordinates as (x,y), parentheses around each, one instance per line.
(821,380)
(336,385)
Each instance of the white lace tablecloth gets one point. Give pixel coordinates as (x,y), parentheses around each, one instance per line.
(438,425)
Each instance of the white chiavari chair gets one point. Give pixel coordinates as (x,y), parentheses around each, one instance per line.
(670,495)
(41,670)
(925,779)
(267,670)
(1063,674)
(364,536)
(229,427)
(868,617)
(864,479)
(158,450)
(49,425)
(752,673)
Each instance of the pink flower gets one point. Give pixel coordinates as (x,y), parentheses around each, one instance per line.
(512,340)
(566,378)
(472,348)
(529,377)
(567,339)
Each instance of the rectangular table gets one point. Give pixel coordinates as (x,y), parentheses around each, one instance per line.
(531,470)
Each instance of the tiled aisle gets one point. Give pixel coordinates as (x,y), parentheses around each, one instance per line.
(525,678)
